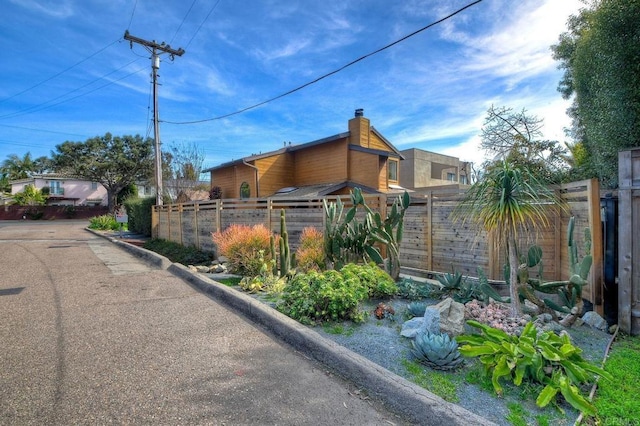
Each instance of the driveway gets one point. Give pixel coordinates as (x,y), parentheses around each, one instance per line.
(93,335)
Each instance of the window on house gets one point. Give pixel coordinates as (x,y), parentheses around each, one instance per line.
(94,186)
(451,177)
(463,179)
(393,169)
(245,190)
(55,187)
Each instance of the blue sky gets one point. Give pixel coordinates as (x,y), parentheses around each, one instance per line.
(67,73)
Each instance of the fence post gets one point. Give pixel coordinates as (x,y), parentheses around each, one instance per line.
(428,238)
(218,215)
(628,235)
(595,225)
(154,222)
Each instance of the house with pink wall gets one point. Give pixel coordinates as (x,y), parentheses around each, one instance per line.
(65,190)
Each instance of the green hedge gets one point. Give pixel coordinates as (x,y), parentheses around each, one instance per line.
(139,212)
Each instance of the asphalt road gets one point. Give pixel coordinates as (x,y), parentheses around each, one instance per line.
(90,334)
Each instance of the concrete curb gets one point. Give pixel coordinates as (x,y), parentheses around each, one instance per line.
(399,395)
(151,257)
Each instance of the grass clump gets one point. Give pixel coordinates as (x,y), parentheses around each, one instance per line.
(177,252)
(242,245)
(438,382)
(105,222)
(616,401)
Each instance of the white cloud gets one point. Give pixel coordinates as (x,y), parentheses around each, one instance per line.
(60,9)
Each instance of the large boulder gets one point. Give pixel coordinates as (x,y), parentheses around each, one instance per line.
(451,316)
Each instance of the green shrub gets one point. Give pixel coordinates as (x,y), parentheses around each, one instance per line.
(139,214)
(545,358)
(378,283)
(327,296)
(241,245)
(177,252)
(266,281)
(106,222)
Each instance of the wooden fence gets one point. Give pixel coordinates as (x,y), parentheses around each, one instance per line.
(432,241)
(628,237)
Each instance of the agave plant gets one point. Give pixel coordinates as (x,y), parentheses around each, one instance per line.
(436,350)
(417,309)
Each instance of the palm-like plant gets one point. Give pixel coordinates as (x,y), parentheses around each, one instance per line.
(15,167)
(508,201)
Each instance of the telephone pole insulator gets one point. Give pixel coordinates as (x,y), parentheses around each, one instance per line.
(156,50)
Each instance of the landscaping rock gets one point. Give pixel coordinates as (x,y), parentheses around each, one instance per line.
(218,269)
(412,327)
(594,320)
(431,320)
(202,269)
(451,316)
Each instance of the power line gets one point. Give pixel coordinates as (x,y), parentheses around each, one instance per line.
(183,19)
(44,105)
(202,23)
(40,130)
(132,12)
(60,73)
(330,73)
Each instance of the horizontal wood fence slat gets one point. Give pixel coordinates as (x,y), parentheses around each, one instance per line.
(432,241)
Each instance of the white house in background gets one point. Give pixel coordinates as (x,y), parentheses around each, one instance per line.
(65,190)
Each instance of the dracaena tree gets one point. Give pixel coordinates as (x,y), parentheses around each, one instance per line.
(114,161)
(508,201)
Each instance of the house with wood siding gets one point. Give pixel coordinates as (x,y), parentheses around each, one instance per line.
(360,157)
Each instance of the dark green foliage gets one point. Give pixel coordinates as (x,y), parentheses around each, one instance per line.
(139,213)
(599,54)
(328,296)
(378,283)
(545,358)
(127,192)
(178,253)
(114,161)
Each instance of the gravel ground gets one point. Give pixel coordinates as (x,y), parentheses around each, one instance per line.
(380,342)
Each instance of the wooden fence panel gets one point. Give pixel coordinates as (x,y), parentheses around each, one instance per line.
(432,241)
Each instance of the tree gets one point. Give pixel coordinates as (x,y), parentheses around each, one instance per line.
(508,200)
(115,162)
(15,168)
(600,53)
(183,164)
(516,138)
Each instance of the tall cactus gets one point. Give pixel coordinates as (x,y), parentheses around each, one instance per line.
(569,291)
(285,265)
(389,232)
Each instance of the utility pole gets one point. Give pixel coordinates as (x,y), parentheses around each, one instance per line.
(156,50)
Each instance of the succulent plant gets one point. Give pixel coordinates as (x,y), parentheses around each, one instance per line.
(417,309)
(436,350)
